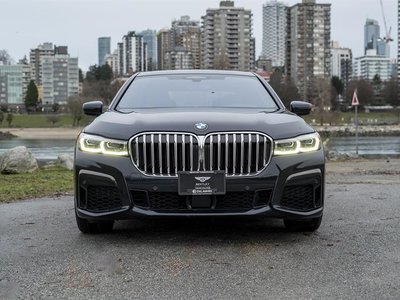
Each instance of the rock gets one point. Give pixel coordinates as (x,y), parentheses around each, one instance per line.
(335,156)
(18,160)
(65,161)
(6,135)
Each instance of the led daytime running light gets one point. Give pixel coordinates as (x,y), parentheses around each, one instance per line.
(294,146)
(101,146)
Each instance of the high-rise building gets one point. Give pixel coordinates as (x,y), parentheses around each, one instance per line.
(134,57)
(120,53)
(341,62)
(113,61)
(150,39)
(186,40)
(371,64)
(274,32)
(35,58)
(373,39)
(60,77)
(308,44)
(26,74)
(11,84)
(371,35)
(227,41)
(104,48)
(178,59)
(164,45)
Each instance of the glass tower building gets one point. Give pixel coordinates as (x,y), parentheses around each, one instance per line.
(104,44)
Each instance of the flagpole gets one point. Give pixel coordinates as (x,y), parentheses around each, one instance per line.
(356,111)
(356,103)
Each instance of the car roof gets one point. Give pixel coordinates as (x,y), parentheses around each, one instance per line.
(195,72)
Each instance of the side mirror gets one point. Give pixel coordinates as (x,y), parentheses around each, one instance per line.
(300,108)
(93,108)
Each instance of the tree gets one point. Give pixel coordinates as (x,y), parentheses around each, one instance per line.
(4,107)
(221,62)
(365,92)
(10,118)
(377,87)
(31,97)
(53,119)
(391,92)
(103,72)
(74,105)
(80,75)
(55,107)
(276,83)
(338,85)
(322,91)
(284,87)
(101,90)
(1,117)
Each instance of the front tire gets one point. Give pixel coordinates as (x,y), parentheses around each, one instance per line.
(310,225)
(94,227)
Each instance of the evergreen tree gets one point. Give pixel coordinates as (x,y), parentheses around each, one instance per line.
(32,95)
(10,118)
(338,85)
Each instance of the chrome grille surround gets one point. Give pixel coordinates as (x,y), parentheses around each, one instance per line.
(237,153)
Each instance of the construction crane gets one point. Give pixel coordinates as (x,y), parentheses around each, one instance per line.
(387,37)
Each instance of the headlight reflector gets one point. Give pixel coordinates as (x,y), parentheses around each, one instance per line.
(301,144)
(97,144)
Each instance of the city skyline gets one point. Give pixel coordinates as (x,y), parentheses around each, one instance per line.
(82,33)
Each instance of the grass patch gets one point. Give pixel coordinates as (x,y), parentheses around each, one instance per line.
(338,118)
(43,182)
(43,121)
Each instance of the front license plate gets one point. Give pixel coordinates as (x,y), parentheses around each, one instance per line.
(201,183)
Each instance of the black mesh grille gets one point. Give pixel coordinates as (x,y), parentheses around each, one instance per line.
(139,198)
(262,198)
(230,201)
(300,197)
(240,200)
(167,201)
(102,198)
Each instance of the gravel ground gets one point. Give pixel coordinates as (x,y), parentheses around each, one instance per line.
(354,255)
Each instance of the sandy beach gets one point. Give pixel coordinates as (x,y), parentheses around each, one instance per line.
(43,133)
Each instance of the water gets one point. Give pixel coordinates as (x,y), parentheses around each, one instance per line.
(50,149)
(41,149)
(385,145)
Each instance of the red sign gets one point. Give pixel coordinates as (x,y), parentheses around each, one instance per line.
(354,101)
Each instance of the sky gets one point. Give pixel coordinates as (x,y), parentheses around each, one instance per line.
(24,24)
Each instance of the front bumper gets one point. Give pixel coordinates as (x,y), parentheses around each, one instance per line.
(111,188)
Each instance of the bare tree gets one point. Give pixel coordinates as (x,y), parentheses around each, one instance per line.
(284,87)
(74,105)
(53,119)
(365,91)
(221,62)
(321,99)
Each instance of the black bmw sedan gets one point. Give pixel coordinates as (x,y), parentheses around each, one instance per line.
(200,144)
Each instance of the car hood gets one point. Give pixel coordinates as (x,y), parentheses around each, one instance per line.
(278,125)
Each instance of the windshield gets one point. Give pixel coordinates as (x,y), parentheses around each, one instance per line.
(165,91)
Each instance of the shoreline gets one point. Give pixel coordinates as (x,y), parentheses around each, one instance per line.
(42,133)
(325,131)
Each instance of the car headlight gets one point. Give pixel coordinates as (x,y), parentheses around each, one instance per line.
(300,144)
(97,144)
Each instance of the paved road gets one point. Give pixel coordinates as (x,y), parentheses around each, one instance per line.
(355,253)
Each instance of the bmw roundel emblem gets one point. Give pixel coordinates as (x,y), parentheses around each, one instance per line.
(201,126)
